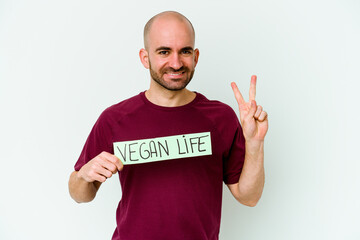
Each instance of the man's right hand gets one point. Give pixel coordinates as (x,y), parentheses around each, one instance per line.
(100,168)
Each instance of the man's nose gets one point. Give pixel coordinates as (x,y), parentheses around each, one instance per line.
(175,61)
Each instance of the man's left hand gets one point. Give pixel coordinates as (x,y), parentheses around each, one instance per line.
(253,118)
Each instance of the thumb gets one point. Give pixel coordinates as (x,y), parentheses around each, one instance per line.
(118,163)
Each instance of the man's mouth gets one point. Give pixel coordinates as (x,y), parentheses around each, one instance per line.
(175,74)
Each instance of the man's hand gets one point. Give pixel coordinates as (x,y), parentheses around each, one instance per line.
(254,123)
(252,117)
(100,168)
(84,184)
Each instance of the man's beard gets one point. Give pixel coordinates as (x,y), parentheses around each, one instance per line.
(160,80)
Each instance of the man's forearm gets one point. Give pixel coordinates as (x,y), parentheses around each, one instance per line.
(80,190)
(252,178)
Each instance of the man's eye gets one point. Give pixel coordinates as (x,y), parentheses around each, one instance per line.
(163,52)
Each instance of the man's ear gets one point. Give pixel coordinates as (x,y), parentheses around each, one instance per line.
(196,57)
(144,58)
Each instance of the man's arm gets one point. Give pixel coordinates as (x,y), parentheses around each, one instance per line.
(251,183)
(254,122)
(81,190)
(84,184)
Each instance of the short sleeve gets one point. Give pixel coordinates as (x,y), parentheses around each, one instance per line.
(99,140)
(233,162)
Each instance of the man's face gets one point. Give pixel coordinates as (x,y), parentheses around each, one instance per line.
(171,54)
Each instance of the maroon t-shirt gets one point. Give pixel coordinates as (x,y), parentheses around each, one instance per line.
(178,198)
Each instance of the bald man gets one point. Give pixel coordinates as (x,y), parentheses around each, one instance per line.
(173,148)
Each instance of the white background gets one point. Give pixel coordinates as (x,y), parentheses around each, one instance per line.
(63,62)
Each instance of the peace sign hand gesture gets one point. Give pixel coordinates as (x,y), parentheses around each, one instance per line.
(253,119)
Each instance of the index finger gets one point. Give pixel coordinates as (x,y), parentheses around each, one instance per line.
(239,98)
(252,91)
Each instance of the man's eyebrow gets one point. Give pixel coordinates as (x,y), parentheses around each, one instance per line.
(187,48)
(162,48)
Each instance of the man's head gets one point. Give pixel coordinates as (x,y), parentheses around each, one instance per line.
(169,53)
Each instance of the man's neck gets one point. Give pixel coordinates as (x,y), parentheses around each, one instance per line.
(166,98)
